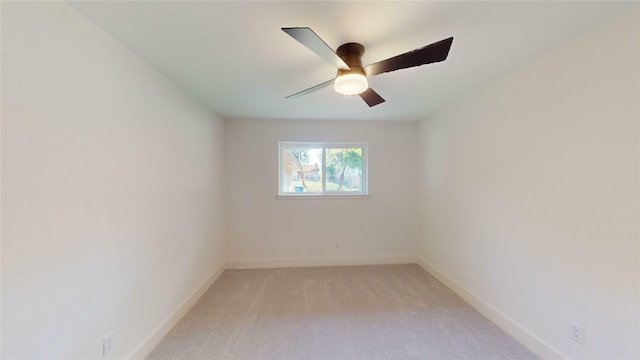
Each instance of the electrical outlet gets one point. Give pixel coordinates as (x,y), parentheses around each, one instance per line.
(576,332)
(107,344)
(337,244)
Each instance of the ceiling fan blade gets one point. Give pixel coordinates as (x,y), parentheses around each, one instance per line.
(311,89)
(313,42)
(371,97)
(432,53)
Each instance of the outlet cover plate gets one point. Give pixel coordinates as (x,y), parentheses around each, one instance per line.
(576,332)
(107,344)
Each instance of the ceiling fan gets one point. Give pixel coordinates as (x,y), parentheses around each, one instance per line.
(352,76)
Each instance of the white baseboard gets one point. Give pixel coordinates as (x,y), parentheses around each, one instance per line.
(312,262)
(161,331)
(526,338)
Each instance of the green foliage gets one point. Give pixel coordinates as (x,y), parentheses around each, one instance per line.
(301,156)
(339,160)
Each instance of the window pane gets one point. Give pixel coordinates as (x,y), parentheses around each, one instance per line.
(344,169)
(301,169)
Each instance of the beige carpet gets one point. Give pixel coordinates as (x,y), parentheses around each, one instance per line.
(354,312)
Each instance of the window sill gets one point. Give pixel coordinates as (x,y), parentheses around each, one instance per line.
(323,197)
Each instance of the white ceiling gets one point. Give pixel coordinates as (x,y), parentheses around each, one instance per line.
(234,57)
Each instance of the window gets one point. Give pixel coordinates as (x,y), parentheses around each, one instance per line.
(323,168)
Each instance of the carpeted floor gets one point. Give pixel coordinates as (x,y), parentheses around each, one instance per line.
(350,312)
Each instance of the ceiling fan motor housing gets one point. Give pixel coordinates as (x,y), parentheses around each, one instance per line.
(351,54)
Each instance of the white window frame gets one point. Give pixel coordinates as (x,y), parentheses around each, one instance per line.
(324,194)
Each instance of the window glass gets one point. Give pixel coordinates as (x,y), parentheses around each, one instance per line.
(322,168)
(344,169)
(302,169)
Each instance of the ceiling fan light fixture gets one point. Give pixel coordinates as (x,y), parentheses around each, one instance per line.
(351,83)
(352,76)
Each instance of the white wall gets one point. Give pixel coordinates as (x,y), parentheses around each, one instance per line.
(529,193)
(262,229)
(112,189)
